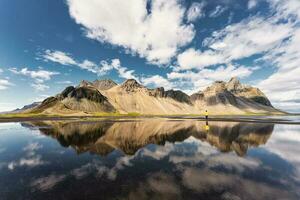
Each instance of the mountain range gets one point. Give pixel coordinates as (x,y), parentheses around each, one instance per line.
(106,96)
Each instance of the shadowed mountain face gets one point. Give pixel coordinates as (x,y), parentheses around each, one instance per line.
(106,96)
(82,98)
(104,137)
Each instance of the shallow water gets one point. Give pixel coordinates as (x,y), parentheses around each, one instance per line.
(149,159)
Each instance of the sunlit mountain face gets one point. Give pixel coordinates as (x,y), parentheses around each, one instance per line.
(149,159)
(176,44)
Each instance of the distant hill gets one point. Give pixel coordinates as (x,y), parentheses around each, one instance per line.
(105,96)
(25,108)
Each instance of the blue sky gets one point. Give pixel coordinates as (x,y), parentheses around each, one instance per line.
(181,44)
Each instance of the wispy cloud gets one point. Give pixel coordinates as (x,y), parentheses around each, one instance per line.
(219,10)
(31,159)
(59,57)
(252,4)
(47,182)
(196,11)
(115,64)
(103,68)
(4,84)
(39,77)
(157,81)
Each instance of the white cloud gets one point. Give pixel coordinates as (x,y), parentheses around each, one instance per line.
(123,71)
(252,4)
(285,143)
(192,58)
(217,11)
(157,81)
(30,159)
(156,35)
(32,147)
(39,77)
(4,84)
(286,8)
(28,162)
(67,59)
(59,57)
(1,70)
(249,37)
(48,182)
(89,66)
(292,106)
(103,68)
(195,11)
(39,86)
(116,65)
(284,85)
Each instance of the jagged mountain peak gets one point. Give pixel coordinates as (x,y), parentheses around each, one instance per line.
(245,91)
(131,82)
(234,84)
(234,79)
(217,86)
(104,84)
(85,83)
(131,85)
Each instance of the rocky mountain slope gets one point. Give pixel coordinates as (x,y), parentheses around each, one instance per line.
(106,96)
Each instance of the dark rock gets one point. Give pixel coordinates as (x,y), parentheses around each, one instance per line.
(178,96)
(224,97)
(262,100)
(66,92)
(87,93)
(157,92)
(197,96)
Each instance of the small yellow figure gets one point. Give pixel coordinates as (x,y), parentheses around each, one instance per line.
(206,122)
(206,127)
(206,114)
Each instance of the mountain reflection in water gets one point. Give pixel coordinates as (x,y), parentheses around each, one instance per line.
(129,136)
(149,159)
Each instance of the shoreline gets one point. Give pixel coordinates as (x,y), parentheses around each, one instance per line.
(224,118)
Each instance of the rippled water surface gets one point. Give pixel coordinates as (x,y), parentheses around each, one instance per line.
(149,159)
